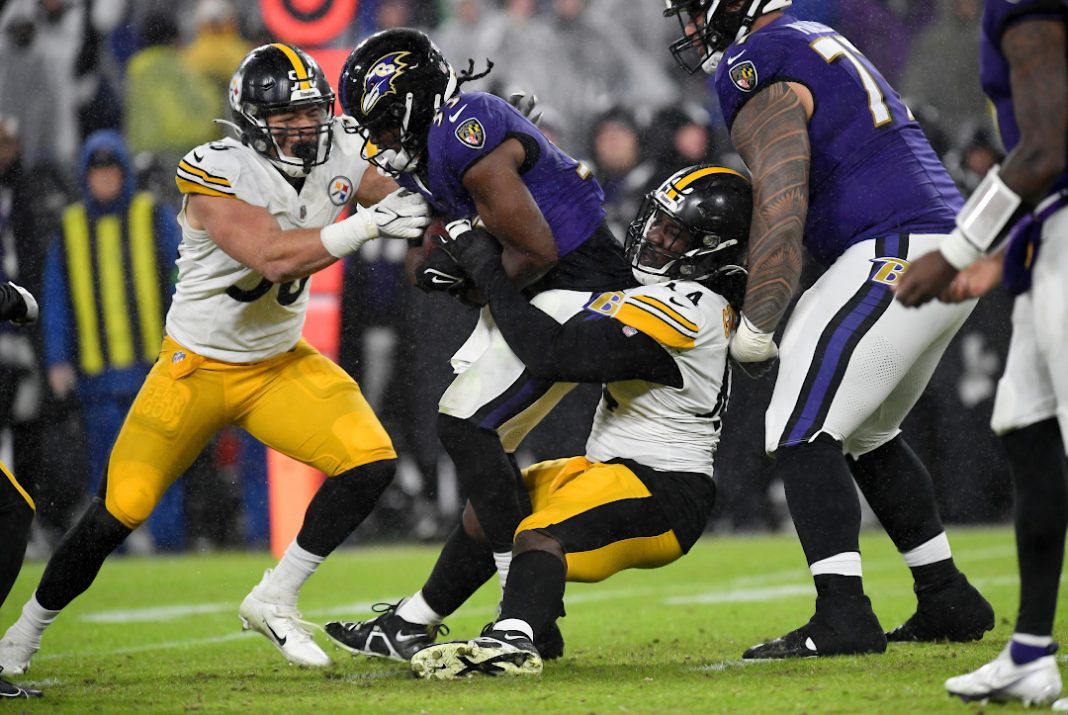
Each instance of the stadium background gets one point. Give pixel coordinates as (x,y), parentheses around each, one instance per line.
(158,72)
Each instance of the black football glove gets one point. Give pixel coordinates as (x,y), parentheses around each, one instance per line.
(473,249)
(440,273)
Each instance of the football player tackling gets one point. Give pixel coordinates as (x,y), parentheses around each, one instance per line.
(840,167)
(643,492)
(257,221)
(1025,74)
(472,154)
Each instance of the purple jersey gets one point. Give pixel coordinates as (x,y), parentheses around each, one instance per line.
(873,172)
(994,68)
(473,124)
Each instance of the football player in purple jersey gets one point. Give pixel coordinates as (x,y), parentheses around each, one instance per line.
(474,156)
(840,167)
(1024,71)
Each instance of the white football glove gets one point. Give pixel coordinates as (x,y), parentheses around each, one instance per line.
(402,214)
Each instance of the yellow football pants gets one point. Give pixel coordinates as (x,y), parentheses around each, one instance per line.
(603,516)
(299,403)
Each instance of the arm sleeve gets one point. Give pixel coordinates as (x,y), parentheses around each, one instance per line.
(587,348)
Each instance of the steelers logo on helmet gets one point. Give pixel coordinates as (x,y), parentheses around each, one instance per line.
(279,79)
(694,226)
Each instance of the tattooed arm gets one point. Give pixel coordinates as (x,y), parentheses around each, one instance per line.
(771,134)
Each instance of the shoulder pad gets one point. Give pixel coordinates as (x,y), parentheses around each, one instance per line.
(665,312)
(211,169)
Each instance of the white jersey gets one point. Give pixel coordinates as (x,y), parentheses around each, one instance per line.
(668,428)
(222,309)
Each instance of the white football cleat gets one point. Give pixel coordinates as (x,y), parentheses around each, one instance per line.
(1061,706)
(15,656)
(282,625)
(1001,680)
(492,654)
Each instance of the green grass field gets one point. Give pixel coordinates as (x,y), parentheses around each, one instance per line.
(162,635)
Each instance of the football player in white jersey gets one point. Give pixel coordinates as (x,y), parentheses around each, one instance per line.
(643,492)
(257,221)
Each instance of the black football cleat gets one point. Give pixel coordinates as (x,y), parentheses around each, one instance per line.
(841,626)
(550,642)
(953,611)
(384,636)
(10,690)
(491,654)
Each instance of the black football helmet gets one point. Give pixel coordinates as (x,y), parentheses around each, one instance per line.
(280,78)
(694,226)
(724,22)
(392,85)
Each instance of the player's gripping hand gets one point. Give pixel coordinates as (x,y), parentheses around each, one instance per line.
(473,248)
(439,272)
(29,316)
(753,349)
(402,214)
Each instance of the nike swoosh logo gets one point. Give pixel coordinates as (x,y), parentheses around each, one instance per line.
(198,157)
(676,301)
(442,281)
(280,639)
(732,60)
(810,644)
(513,637)
(456,115)
(401,638)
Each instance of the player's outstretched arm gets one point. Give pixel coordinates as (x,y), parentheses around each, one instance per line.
(1038,75)
(771,134)
(509,212)
(251,235)
(577,351)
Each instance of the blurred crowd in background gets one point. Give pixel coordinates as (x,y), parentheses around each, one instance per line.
(100,98)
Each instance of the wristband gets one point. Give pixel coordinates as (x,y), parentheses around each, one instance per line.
(345,237)
(982,220)
(751,344)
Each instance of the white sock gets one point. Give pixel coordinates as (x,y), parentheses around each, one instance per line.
(503,559)
(846,563)
(1032,640)
(929,552)
(32,623)
(515,624)
(296,567)
(416,610)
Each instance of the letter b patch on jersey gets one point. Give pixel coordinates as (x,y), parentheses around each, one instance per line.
(888,270)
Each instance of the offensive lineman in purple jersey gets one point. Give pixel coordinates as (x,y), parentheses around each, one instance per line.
(1024,61)
(472,155)
(840,166)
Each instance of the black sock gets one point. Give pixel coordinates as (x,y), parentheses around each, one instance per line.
(79,556)
(535,589)
(836,585)
(821,496)
(899,489)
(1040,478)
(462,567)
(486,477)
(341,504)
(15,520)
(931,576)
